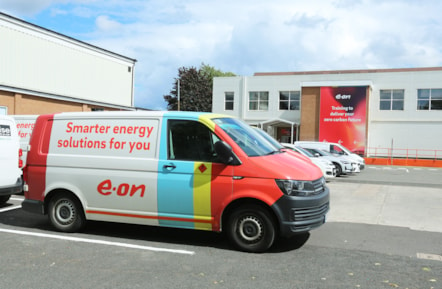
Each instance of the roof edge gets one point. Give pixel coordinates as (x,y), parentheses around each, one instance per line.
(417,69)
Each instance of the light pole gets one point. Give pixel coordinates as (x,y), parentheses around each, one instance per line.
(178,93)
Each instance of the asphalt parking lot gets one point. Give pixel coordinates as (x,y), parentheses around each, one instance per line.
(380,234)
(394,196)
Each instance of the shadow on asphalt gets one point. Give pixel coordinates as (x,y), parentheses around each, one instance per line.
(24,220)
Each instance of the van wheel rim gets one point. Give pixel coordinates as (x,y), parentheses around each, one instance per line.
(250,229)
(65,212)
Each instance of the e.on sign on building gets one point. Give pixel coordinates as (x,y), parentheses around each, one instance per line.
(374,112)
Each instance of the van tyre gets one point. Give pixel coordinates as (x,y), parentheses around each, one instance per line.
(251,229)
(4,199)
(338,169)
(66,213)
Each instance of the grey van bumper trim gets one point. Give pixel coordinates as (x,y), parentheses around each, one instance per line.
(33,206)
(14,189)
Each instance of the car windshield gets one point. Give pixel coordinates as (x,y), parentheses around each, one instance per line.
(250,141)
(305,152)
(326,153)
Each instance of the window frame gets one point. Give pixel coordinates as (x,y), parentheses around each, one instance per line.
(391,100)
(290,101)
(230,102)
(197,150)
(3,109)
(427,100)
(261,101)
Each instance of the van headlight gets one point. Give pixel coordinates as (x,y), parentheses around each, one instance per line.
(298,188)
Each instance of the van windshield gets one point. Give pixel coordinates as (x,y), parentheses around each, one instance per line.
(250,141)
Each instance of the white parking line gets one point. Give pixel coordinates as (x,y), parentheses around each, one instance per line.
(100,242)
(426,256)
(10,208)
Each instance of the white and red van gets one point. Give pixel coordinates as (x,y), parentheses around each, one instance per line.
(177,169)
(25,125)
(10,160)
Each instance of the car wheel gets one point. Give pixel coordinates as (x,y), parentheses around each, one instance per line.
(338,169)
(4,199)
(66,213)
(251,229)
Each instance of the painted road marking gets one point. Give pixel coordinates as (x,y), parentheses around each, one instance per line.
(95,241)
(429,256)
(10,208)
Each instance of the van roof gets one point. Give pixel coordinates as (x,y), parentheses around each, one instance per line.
(140,113)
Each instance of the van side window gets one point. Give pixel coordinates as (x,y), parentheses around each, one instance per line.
(336,150)
(191,141)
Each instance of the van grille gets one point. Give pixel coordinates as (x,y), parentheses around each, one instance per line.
(306,214)
(319,186)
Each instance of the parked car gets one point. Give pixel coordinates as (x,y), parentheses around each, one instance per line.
(347,165)
(280,146)
(10,160)
(326,166)
(333,148)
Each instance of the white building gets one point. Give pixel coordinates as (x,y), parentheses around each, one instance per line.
(42,71)
(376,111)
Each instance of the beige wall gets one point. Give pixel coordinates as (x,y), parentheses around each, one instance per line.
(310,104)
(29,104)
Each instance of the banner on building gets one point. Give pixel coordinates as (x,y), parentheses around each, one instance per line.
(343,116)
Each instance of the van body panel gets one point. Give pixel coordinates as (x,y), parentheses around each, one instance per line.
(158,168)
(10,176)
(25,126)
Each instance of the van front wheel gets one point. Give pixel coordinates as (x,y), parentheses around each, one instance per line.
(66,213)
(251,229)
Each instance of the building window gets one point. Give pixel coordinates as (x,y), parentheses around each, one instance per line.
(392,99)
(289,100)
(3,110)
(228,101)
(258,100)
(429,99)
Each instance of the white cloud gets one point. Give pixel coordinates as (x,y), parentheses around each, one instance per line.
(250,36)
(105,24)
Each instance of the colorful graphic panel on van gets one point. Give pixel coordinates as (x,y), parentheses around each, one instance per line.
(186,187)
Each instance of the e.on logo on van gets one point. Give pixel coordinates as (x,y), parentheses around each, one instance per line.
(176,169)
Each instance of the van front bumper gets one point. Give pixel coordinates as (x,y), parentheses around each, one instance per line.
(301,214)
(12,189)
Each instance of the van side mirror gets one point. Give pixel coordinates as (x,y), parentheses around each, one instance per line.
(225,153)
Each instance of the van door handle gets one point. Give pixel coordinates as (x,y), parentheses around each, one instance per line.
(169,167)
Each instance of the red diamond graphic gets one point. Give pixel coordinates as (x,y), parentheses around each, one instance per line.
(202,168)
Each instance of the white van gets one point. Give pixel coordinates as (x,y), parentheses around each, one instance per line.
(333,148)
(25,125)
(10,160)
(177,169)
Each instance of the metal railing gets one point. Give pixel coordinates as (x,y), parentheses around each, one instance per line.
(403,153)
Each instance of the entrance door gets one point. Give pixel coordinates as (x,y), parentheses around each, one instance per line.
(283,134)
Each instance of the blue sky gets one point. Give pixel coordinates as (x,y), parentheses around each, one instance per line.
(245,36)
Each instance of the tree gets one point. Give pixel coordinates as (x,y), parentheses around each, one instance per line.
(195,88)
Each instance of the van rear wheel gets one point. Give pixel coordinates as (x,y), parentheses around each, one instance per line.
(66,213)
(4,199)
(251,229)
